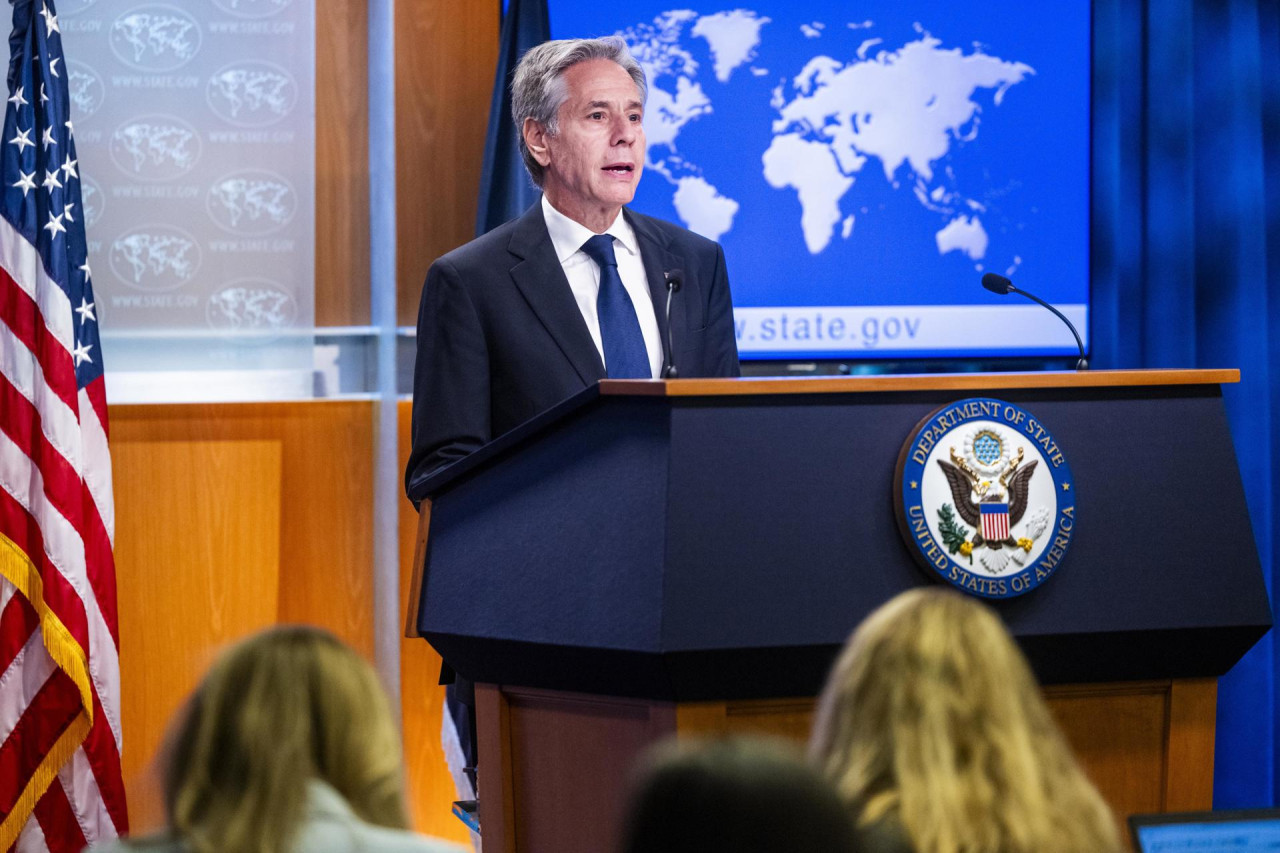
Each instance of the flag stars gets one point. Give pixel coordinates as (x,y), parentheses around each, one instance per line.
(22,140)
(50,22)
(17,100)
(53,66)
(1066,487)
(25,182)
(48,139)
(81,353)
(51,180)
(54,226)
(43,97)
(71,130)
(69,168)
(67,211)
(86,311)
(84,268)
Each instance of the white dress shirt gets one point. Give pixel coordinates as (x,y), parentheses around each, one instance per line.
(567,238)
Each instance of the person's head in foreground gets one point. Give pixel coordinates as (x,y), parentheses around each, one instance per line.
(933,730)
(578,107)
(744,796)
(281,718)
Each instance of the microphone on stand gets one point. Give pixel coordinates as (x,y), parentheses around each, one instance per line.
(999,284)
(674,279)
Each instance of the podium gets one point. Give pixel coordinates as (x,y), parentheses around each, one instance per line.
(688,557)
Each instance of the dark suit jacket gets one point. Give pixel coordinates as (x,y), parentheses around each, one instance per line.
(501,339)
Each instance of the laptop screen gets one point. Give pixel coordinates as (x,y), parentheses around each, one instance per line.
(1207,832)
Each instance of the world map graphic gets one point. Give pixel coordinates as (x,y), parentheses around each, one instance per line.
(867,154)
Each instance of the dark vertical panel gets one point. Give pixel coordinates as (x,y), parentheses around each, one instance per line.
(342,164)
(445,59)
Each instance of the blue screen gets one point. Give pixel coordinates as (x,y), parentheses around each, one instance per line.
(1244,836)
(864,164)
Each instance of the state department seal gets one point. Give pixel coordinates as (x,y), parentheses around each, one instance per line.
(985,498)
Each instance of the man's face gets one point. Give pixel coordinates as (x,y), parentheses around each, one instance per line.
(594,161)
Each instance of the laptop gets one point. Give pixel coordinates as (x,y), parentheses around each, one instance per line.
(1207,832)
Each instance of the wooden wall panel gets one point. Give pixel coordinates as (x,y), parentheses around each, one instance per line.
(231,517)
(1106,729)
(1148,746)
(446,54)
(198,558)
(342,163)
(1193,722)
(431,789)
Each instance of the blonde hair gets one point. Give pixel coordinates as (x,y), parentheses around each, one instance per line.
(931,717)
(285,706)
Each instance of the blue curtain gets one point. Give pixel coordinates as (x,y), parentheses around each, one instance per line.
(505,188)
(1186,267)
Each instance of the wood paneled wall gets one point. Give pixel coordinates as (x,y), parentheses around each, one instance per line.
(230,518)
(1148,746)
(342,163)
(446,56)
(234,517)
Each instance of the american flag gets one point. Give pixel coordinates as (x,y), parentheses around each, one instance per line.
(995,521)
(60,782)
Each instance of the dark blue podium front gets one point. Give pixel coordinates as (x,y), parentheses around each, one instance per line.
(719,539)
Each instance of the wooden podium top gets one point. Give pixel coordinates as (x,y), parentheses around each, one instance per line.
(913,382)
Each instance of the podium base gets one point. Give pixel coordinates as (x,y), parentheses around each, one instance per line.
(557,765)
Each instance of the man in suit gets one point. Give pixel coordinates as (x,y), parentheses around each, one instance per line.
(536,310)
(572,292)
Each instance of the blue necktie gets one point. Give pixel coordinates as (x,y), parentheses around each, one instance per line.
(625,356)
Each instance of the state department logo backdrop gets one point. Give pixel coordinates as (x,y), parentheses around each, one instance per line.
(985,498)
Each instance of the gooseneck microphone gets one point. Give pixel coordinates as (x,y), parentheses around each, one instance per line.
(674,279)
(999,284)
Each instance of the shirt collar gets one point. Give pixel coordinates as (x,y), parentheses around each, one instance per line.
(324,799)
(568,236)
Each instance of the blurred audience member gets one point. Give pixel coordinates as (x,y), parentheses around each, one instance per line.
(744,796)
(287,745)
(933,729)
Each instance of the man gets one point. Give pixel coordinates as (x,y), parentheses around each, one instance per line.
(534,311)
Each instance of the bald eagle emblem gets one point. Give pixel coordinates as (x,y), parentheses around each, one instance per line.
(990,487)
(999,505)
(985,497)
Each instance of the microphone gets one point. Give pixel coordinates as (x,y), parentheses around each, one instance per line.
(999,284)
(674,279)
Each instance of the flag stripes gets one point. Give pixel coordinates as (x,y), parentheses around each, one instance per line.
(995,521)
(60,735)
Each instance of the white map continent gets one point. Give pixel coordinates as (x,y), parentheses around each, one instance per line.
(904,107)
(666,112)
(963,234)
(733,38)
(900,107)
(704,210)
(657,48)
(809,169)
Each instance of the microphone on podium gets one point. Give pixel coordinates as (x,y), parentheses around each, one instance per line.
(674,279)
(999,284)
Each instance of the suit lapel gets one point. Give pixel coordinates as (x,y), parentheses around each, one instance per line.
(657,261)
(542,282)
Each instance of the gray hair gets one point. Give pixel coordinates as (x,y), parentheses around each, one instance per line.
(538,89)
